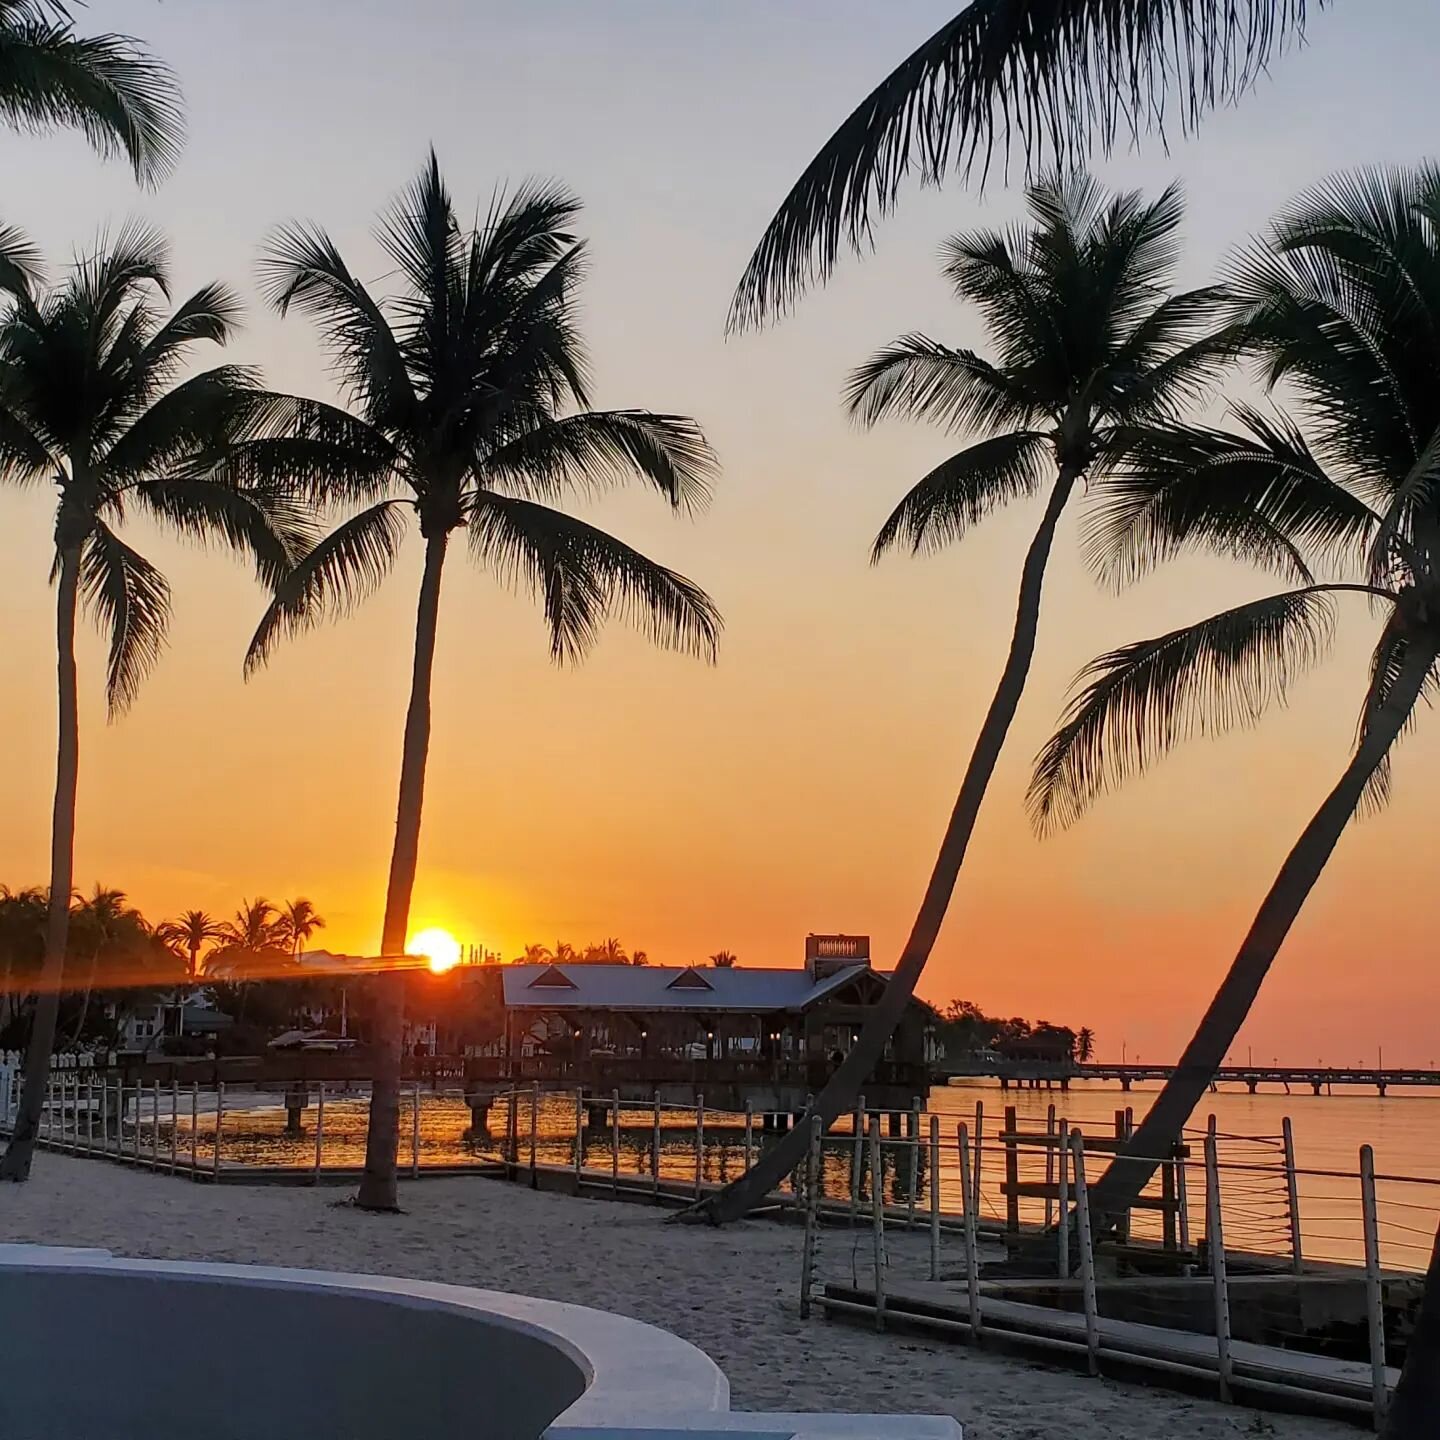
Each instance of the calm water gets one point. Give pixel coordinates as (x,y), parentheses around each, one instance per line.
(1403,1128)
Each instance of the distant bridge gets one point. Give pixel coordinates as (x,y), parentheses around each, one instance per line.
(1321,1079)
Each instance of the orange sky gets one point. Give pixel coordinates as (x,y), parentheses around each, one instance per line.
(803,782)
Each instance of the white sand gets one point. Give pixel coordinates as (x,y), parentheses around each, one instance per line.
(733,1292)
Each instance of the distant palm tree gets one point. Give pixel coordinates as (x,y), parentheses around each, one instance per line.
(1003,78)
(299,920)
(1342,303)
(639,957)
(1089,345)
(608,952)
(256,926)
(1085,1045)
(22,944)
(109,87)
(723,960)
(535,954)
(189,935)
(459,393)
(90,402)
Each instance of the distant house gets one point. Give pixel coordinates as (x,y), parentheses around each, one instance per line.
(811,1013)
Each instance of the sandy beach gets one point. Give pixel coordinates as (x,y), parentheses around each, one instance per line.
(733,1292)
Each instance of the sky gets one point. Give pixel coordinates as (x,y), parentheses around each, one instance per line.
(802,783)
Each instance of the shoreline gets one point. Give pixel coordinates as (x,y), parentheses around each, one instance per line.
(733,1292)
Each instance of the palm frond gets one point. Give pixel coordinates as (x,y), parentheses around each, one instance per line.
(317,450)
(130,601)
(342,570)
(1011,77)
(22,269)
(1138,702)
(272,529)
(301,267)
(123,99)
(961,491)
(920,379)
(1260,496)
(1386,662)
(583,575)
(595,449)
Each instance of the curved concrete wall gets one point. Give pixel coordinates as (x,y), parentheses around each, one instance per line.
(144,1350)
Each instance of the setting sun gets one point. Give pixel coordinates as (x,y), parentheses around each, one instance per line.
(439,947)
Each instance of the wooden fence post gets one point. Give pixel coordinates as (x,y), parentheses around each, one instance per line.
(319,1132)
(194,1122)
(1374,1286)
(415,1131)
(699,1143)
(749,1133)
(1049,1165)
(219,1125)
(979,1145)
(914,1187)
(1215,1241)
(534,1126)
(579,1136)
(174,1125)
(1292,1195)
(968,1209)
(614,1142)
(812,1190)
(655,1146)
(1062,1234)
(155,1126)
(1012,1172)
(1085,1239)
(877,1220)
(105,1113)
(933,1168)
(857,1158)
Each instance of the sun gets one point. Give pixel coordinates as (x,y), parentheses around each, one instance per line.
(437,946)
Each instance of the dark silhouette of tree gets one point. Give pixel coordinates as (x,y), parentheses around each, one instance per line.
(109,87)
(1046,83)
(459,394)
(91,402)
(723,960)
(1341,300)
(1085,1045)
(189,935)
(1089,346)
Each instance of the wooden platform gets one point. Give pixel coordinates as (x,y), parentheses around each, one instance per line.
(1264,1375)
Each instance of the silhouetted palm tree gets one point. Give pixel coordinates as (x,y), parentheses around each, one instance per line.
(109,87)
(1044,82)
(188,935)
(723,960)
(1088,347)
(459,394)
(1342,303)
(299,920)
(1085,1045)
(89,402)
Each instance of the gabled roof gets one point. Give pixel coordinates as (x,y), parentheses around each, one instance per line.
(669,987)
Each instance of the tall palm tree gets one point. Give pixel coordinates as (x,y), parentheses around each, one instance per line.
(460,388)
(1342,303)
(256,927)
(1006,78)
(1088,344)
(1085,1045)
(723,960)
(299,920)
(109,87)
(90,403)
(189,935)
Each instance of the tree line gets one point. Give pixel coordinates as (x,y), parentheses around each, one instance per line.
(604,952)
(965,1029)
(467,410)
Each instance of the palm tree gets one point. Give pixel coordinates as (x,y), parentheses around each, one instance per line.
(723,960)
(89,402)
(189,935)
(299,920)
(1085,1045)
(459,388)
(22,944)
(535,954)
(1341,302)
(109,87)
(1088,345)
(1042,82)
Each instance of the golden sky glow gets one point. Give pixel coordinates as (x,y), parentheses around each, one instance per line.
(801,784)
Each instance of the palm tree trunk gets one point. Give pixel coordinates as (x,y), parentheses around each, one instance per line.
(839,1094)
(1416,1405)
(378,1184)
(16,1162)
(1129,1172)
